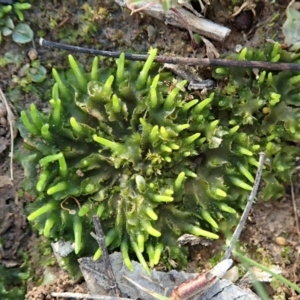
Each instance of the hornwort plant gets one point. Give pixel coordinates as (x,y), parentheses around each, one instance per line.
(152,160)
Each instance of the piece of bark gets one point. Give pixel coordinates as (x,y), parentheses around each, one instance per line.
(202,26)
(160,282)
(100,237)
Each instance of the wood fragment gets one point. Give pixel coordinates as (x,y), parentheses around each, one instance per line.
(295,207)
(192,22)
(201,283)
(135,285)
(100,237)
(193,287)
(211,50)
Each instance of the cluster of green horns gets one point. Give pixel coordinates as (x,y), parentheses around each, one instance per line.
(130,145)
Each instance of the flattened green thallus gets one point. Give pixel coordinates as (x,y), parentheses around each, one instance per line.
(122,143)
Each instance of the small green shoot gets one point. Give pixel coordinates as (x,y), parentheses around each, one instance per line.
(249,261)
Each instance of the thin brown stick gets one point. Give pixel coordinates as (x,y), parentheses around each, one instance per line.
(270,66)
(245,214)
(294,206)
(187,26)
(11,122)
(101,241)
(86,296)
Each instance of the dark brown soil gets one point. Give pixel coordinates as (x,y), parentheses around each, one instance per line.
(61,284)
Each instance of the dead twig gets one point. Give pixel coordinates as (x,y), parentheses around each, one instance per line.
(101,241)
(294,206)
(270,66)
(11,121)
(63,22)
(245,214)
(86,296)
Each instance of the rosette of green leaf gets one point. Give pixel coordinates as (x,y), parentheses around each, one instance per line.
(21,33)
(268,102)
(6,23)
(110,144)
(124,145)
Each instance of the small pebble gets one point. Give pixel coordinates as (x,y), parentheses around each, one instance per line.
(238,48)
(281,241)
(152,33)
(3,122)
(235,9)
(189,49)
(2,110)
(32,54)
(232,274)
